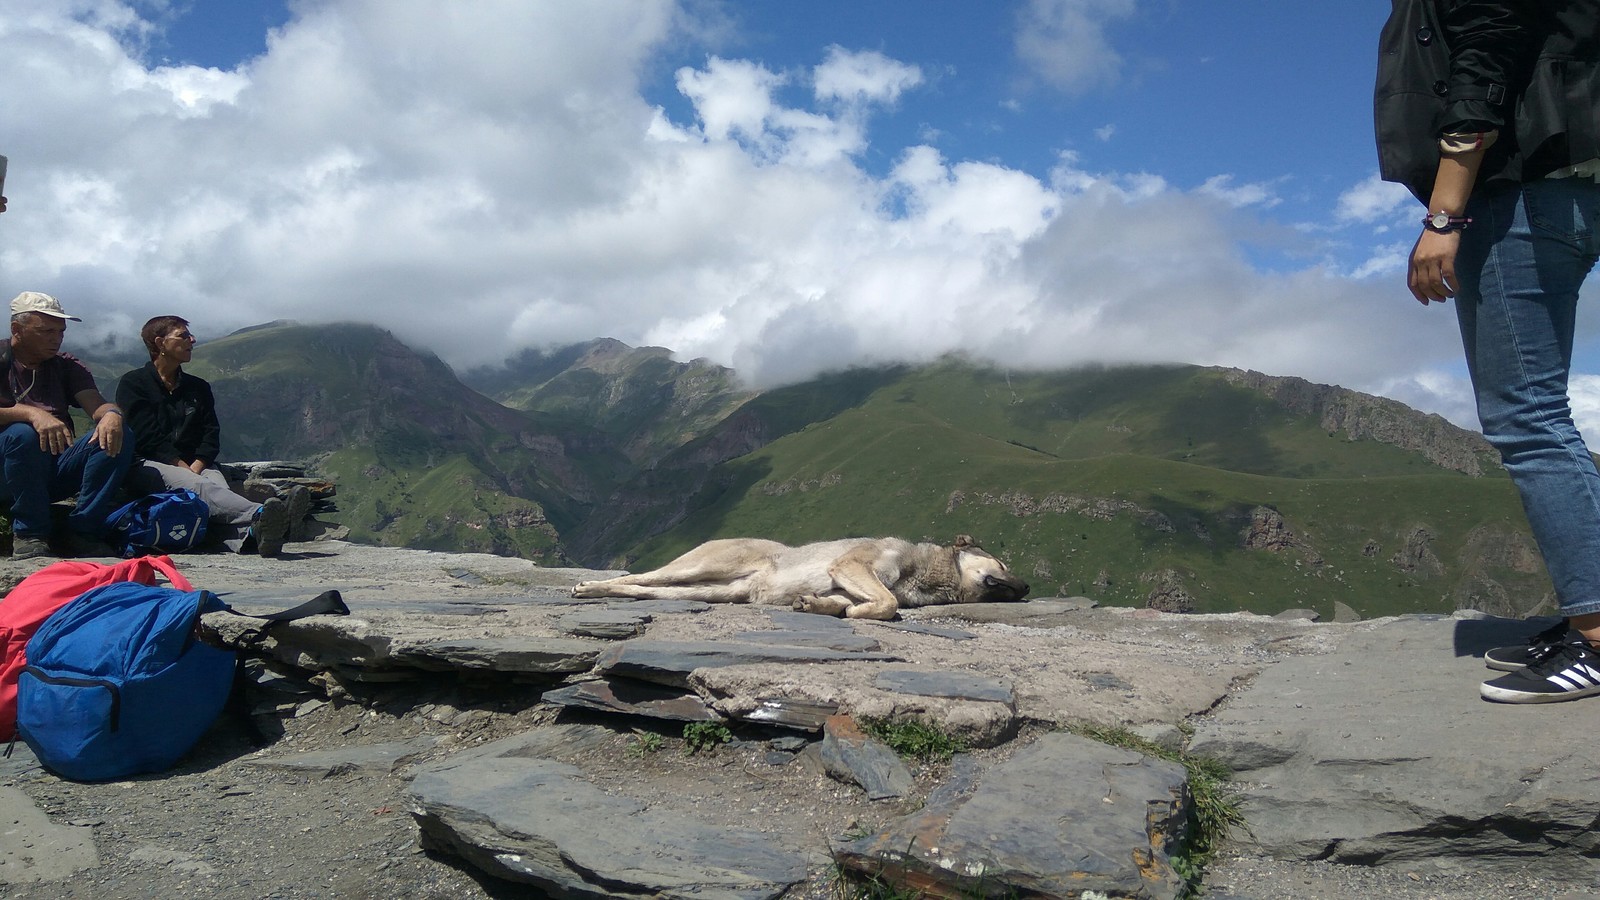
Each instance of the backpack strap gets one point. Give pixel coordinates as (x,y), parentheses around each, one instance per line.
(327,603)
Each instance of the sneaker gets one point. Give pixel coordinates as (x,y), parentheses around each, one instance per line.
(1520,656)
(299,503)
(270,527)
(29,547)
(1564,671)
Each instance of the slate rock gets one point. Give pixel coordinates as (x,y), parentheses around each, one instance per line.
(828,640)
(1402,765)
(609,624)
(639,698)
(944,683)
(954,634)
(849,755)
(671,662)
(538,822)
(35,849)
(1063,816)
(501,654)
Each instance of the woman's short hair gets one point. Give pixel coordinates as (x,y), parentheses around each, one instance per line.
(158,328)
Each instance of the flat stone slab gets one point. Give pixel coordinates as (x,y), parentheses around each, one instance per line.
(500,654)
(34,849)
(847,641)
(1380,752)
(538,822)
(942,683)
(1014,613)
(1064,816)
(671,662)
(609,624)
(639,698)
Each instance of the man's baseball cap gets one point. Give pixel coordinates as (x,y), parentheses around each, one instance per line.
(33,301)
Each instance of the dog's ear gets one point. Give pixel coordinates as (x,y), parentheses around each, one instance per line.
(964,541)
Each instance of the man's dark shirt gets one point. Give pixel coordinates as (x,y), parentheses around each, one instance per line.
(181,425)
(52,386)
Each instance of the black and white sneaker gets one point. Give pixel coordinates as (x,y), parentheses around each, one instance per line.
(1563,671)
(1519,656)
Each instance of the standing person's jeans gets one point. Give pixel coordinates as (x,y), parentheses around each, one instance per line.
(34,479)
(1520,265)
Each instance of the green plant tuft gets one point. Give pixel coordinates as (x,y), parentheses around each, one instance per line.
(914,738)
(645,742)
(699,736)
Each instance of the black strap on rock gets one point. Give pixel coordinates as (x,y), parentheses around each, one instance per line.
(327,603)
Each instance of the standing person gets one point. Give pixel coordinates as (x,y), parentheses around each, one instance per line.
(40,462)
(177,437)
(1509,172)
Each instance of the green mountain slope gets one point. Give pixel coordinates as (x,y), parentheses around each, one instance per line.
(421,459)
(1178,487)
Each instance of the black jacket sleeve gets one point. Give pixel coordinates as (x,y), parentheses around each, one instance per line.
(1492,47)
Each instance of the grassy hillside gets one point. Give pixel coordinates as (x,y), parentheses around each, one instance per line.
(1117,484)
(421,460)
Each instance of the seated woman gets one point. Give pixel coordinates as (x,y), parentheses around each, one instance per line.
(173,418)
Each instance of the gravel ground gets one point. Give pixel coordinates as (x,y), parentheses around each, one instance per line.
(222,826)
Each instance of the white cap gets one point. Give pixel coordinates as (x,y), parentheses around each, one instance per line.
(33,301)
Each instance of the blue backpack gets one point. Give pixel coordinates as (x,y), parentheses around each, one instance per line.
(118,684)
(164,522)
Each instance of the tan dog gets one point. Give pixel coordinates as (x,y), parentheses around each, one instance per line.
(857,578)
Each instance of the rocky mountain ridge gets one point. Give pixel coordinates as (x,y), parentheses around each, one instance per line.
(622,456)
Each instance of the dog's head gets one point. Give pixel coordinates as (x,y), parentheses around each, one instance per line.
(984,578)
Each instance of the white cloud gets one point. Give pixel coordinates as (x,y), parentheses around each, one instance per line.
(863,77)
(1223,188)
(484,177)
(1064,44)
(1373,200)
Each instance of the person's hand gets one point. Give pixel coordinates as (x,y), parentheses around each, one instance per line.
(198,467)
(108,433)
(54,435)
(1432,274)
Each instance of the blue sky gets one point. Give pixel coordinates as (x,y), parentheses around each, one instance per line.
(782,187)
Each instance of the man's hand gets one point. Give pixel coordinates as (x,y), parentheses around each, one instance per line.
(198,467)
(1432,275)
(108,432)
(54,435)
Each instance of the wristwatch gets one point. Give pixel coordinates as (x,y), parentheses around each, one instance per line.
(1444,223)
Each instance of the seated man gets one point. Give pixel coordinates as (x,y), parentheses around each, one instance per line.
(177,437)
(41,461)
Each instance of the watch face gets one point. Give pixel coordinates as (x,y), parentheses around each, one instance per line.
(1441,220)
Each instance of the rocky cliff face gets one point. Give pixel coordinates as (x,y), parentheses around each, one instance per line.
(1366,417)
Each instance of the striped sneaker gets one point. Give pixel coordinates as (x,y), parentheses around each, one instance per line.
(1520,656)
(1564,671)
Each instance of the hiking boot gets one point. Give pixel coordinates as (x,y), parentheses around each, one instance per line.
(1520,656)
(29,547)
(83,546)
(1564,671)
(270,527)
(299,503)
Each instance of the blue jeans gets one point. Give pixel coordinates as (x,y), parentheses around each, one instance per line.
(1520,265)
(34,479)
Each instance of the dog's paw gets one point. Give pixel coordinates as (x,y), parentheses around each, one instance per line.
(584,589)
(825,606)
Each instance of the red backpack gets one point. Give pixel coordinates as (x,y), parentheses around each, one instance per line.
(39,595)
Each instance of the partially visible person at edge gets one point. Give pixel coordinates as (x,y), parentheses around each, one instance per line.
(177,437)
(1509,176)
(42,461)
